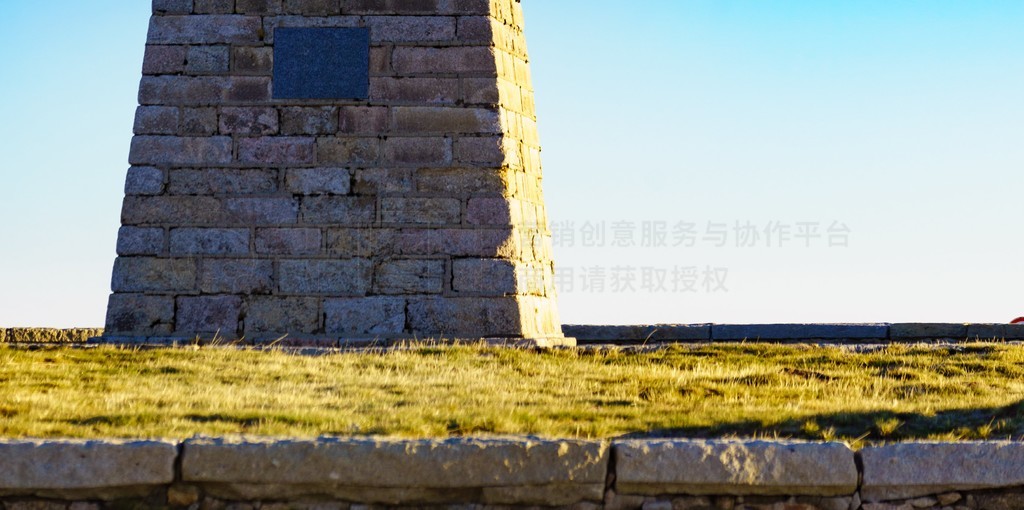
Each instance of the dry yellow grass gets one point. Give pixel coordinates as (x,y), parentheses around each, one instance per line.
(969,392)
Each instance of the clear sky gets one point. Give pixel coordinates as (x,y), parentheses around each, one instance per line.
(745,161)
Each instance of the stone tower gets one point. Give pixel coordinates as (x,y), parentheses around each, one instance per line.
(334,170)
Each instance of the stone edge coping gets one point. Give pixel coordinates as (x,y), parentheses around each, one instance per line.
(514,469)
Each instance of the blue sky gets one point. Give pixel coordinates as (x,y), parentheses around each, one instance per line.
(900,122)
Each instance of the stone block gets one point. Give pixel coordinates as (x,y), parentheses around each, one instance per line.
(378,181)
(908,470)
(363,120)
(203,90)
(479,91)
(273,314)
(480,243)
(436,120)
(144,180)
(417,151)
(253,59)
(173,150)
(639,333)
(321,120)
(205,29)
(208,59)
(461,181)
(495,277)
(318,181)
(172,6)
(156,120)
(277,150)
(288,241)
(365,316)
(249,121)
(349,277)
(236,276)
(513,471)
(214,7)
(466,318)
(986,331)
(481,151)
(209,314)
(446,60)
(148,274)
(140,241)
(138,313)
(103,470)
(477,29)
(200,121)
(333,210)
(927,331)
(221,181)
(258,6)
(433,211)
(756,332)
(261,211)
(209,241)
(153,210)
(348,151)
(312,7)
(493,211)
(361,242)
(414,90)
(409,277)
(663,467)
(162,59)
(411,28)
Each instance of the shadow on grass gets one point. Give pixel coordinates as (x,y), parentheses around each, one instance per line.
(965,424)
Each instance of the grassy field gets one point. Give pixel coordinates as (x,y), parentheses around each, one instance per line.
(972,391)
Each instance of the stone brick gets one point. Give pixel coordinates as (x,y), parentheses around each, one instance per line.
(414,90)
(417,151)
(156,120)
(313,7)
(349,277)
(140,241)
(241,276)
(205,29)
(221,181)
(411,28)
(363,120)
(255,121)
(444,120)
(461,181)
(476,29)
(247,89)
(258,7)
(198,121)
(172,6)
(153,210)
(476,91)
(138,313)
(321,210)
(465,318)
(437,211)
(799,331)
(146,274)
(409,277)
(927,330)
(485,276)
(380,60)
(173,150)
(299,120)
(203,90)
(288,241)
(368,316)
(162,59)
(208,59)
(214,6)
(318,181)
(453,59)
(272,314)
(144,180)
(261,211)
(483,243)
(492,211)
(253,59)
(375,181)
(360,242)
(277,150)
(347,151)
(483,150)
(209,314)
(209,241)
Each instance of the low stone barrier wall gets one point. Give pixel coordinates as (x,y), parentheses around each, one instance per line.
(47,335)
(351,474)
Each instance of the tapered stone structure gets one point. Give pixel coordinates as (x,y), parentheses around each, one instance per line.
(334,170)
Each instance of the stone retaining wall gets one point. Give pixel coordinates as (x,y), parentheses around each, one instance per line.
(354,474)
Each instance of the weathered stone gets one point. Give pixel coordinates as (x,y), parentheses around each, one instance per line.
(460,181)
(434,211)
(209,29)
(492,211)
(734,467)
(444,120)
(347,151)
(999,501)
(85,469)
(179,495)
(252,121)
(150,210)
(260,211)
(899,331)
(156,120)
(350,277)
(484,150)
(209,314)
(209,241)
(258,6)
(409,277)
(466,317)
(210,181)
(272,314)
(495,277)
(147,274)
(160,59)
(633,334)
(277,150)
(214,7)
(396,470)
(414,90)
(236,276)
(456,59)
(411,28)
(140,241)
(312,7)
(800,331)
(255,60)
(327,210)
(207,59)
(908,470)
(483,243)
(288,241)
(173,150)
(361,242)
(138,313)
(318,181)
(363,317)
(309,120)
(379,181)
(363,120)
(199,121)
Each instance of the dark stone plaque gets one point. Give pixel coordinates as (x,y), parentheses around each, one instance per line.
(321,63)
